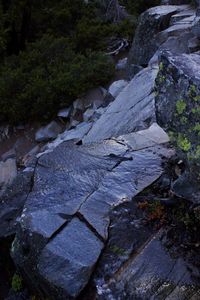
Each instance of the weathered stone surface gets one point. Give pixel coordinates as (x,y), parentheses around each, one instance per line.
(8,171)
(175,2)
(121,65)
(153,274)
(152,136)
(67,212)
(9,154)
(87,116)
(116,87)
(12,199)
(4,132)
(132,110)
(151,23)
(188,12)
(68,260)
(74,134)
(79,184)
(65,112)
(180,27)
(179,113)
(48,132)
(139,170)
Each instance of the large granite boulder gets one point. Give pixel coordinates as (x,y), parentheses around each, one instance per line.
(151,23)
(175,2)
(65,222)
(178,110)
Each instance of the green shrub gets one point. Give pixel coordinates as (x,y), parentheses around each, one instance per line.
(35,83)
(16,283)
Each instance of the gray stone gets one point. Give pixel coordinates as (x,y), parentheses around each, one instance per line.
(75,134)
(48,132)
(116,87)
(132,70)
(132,110)
(121,64)
(8,171)
(139,170)
(66,216)
(12,199)
(65,112)
(151,23)
(9,154)
(30,156)
(74,123)
(179,113)
(175,2)
(88,114)
(153,274)
(152,136)
(182,15)
(73,252)
(78,104)
(180,27)
(4,132)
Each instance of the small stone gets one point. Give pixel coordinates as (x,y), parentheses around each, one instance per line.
(116,87)
(48,132)
(65,112)
(88,114)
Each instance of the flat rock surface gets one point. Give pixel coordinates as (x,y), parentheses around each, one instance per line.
(132,110)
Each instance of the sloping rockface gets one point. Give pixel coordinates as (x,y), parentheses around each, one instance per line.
(82,225)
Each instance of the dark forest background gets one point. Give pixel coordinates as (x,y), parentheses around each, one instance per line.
(54,51)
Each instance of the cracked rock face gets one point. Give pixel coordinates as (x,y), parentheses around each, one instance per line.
(65,221)
(181,73)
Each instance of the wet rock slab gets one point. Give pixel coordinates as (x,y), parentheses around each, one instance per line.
(153,274)
(66,215)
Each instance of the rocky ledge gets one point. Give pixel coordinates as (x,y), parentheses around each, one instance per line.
(105,205)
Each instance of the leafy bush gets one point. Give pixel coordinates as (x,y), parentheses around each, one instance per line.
(16,283)
(48,74)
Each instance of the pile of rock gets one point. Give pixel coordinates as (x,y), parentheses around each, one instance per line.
(80,222)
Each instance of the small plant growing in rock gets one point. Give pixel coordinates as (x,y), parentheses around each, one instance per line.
(155,212)
(16,282)
(180,106)
(183,143)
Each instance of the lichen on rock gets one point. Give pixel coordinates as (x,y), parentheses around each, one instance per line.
(178,110)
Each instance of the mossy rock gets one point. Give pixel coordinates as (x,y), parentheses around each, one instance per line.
(178,111)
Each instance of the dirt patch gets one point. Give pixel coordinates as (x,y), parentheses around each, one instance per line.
(21,140)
